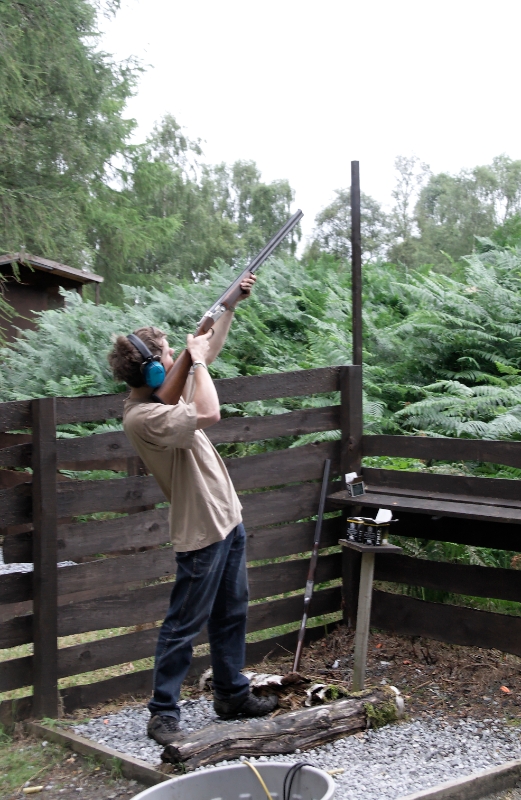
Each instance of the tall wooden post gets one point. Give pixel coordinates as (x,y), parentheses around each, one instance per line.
(351,400)
(356,263)
(350,461)
(45,578)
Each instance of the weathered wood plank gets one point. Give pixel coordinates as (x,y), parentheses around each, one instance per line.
(115,445)
(15,414)
(17,455)
(295,423)
(289,504)
(283,466)
(149,604)
(99,577)
(16,505)
(16,673)
(432,507)
(150,528)
(230,390)
(446,623)
(467,579)
(16,587)
(429,448)
(86,497)
(498,488)
(141,644)
(16,631)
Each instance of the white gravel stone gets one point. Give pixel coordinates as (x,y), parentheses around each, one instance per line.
(378,765)
(24,567)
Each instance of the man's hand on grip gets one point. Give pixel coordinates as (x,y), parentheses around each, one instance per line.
(198,346)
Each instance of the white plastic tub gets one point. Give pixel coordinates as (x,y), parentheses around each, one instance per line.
(239,782)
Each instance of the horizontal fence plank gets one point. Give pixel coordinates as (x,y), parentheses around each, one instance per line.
(86,497)
(76,540)
(103,653)
(100,576)
(440,449)
(15,414)
(16,505)
(278,384)
(140,606)
(150,528)
(15,673)
(99,446)
(289,504)
(230,390)
(16,631)
(283,466)
(467,579)
(16,587)
(459,531)
(94,408)
(496,488)
(16,455)
(115,445)
(295,423)
(446,623)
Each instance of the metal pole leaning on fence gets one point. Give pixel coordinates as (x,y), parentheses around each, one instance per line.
(45,576)
(312,565)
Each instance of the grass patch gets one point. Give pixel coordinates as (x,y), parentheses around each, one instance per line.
(21,762)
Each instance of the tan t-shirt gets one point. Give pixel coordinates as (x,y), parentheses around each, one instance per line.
(204,506)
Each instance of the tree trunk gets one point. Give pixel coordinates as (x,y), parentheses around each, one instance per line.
(304,729)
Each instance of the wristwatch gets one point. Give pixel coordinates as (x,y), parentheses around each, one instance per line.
(199,364)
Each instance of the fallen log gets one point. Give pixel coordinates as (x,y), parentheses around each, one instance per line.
(302,729)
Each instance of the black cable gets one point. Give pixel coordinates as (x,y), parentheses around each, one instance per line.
(290,777)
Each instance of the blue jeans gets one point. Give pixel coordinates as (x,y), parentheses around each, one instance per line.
(211,587)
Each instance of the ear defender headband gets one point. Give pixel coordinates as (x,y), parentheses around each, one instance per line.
(152,368)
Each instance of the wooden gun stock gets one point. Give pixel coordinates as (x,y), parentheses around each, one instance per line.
(172,387)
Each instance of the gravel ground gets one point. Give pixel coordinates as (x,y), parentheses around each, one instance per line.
(379,765)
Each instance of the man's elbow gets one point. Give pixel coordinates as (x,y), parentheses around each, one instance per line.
(206,420)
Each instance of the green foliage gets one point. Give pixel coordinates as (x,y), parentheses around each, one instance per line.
(172,216)
(61,104)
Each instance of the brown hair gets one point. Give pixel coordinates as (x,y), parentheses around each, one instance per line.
(126,360)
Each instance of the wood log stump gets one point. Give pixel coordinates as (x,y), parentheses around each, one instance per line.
(303,729)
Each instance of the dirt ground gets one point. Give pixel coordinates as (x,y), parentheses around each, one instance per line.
(435,679)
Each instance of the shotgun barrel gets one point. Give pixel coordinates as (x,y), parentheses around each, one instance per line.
(172,387)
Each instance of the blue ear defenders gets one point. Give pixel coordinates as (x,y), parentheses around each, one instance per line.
(152,368)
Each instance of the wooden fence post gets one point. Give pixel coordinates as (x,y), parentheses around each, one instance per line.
(45,578)
(351,400)
(350,461)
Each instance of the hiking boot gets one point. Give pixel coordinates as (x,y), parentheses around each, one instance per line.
(163,729)
(251,706)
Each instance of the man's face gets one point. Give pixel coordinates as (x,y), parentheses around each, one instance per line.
(166,355)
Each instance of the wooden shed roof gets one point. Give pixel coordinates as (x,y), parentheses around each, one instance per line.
(46,265)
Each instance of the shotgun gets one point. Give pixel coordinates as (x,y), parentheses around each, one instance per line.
(312,566)
(172,387)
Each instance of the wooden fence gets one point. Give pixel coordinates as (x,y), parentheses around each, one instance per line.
(39,520)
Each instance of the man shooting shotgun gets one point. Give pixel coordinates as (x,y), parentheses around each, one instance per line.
(169,406)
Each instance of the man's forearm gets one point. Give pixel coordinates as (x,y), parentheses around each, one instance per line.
(221,328)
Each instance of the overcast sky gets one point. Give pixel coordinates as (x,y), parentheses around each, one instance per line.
(303,87)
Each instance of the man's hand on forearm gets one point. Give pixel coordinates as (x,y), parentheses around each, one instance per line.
(222,326)
(205,395)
